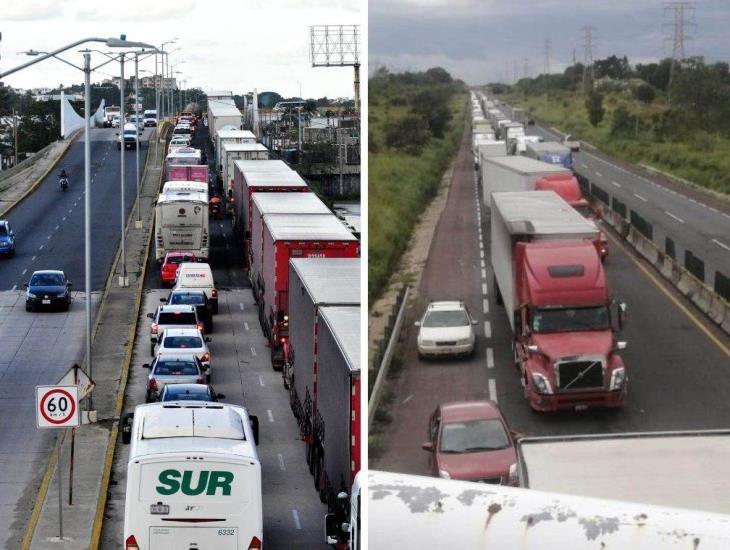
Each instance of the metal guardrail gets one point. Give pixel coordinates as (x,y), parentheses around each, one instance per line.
(375,396)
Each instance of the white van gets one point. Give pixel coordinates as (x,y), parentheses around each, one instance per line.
(193,477)
(200,277)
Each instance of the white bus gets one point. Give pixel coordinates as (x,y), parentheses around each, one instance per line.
(193,478)
(181,223)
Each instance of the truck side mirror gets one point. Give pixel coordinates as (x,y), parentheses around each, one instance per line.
(255,427)
(621,315)
(127,420)
(427,446)
(150,315)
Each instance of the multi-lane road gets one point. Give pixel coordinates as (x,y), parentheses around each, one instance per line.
(241,370)
(37,348)
(678,377)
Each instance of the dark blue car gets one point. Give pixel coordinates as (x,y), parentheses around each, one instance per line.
(7,239)
(48,289)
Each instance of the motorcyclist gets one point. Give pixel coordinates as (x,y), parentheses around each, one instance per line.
(63,178)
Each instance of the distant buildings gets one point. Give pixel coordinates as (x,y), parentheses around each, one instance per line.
(144,82)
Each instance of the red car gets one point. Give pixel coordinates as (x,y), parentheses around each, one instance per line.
(171,263)
(471,441)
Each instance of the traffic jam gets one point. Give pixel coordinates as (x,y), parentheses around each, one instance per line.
(193,464)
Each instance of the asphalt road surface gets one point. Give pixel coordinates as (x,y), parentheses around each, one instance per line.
(695,221)
(241,370)
(678,378)
(38,348)
(49,224)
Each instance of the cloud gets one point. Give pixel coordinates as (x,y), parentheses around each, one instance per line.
(31,10)
(134,9)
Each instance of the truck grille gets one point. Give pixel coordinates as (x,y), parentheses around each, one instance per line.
(450,343)
(580,375)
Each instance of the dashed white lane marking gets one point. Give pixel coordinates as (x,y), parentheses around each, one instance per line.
(641,198)
(245,325)
(484,288)
(70,211)
(270,415)
(481,254)
(63,219)
(56,228)
(680,220)
(584,165)
(407,399)
(490,358)
(487,329)
(297,523)
(33,259)
(493,389)
(481,264)
(261,381)
(599,174)
(253,351)
(41,247)
(281,462)
(615,184)
(49,237)
(484,273)
(14,287)
(485,306)
(723,245)
(24,271)
(241,306)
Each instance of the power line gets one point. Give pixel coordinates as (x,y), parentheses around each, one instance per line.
(682,19)
(588,54)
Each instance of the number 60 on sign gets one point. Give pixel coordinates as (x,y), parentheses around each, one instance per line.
(57,406)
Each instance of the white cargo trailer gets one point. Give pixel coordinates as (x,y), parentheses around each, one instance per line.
(227,135)
(514,173)
(533,216)
(231,152)
(193,477)
(222,112)
(414,512)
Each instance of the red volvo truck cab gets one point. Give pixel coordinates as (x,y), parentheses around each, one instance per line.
(293,236)
(567,187)
(551,282)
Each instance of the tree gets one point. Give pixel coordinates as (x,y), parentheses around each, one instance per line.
(409,131)
(437,74)
(645,93)
(622,124)
(594,106)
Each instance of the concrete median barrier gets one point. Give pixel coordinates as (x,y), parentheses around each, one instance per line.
(647,249)
(666,267)
(703,298)
(719,310)
(687,285)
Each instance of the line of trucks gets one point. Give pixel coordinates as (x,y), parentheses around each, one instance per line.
(547,255)
(304,267)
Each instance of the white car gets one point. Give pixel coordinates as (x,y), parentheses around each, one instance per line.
(446,329)
(572,143)
(183,341)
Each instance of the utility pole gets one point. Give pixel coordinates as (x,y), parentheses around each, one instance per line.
(514,71)
(682,20)
(546,68)
(588,55)
(15,136)
(506,71)
(526,67)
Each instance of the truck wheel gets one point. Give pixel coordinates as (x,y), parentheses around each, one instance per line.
(497,293)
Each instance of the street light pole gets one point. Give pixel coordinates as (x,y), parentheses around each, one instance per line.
(138,223)
(123,281)
(87,214)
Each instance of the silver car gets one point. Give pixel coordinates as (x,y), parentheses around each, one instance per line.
(179,369)
(176,342)
(446,329)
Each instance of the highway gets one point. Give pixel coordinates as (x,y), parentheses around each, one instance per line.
(678,378)
(37,348)
(241,370)
(694,221)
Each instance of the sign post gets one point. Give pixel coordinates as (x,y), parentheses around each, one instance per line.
(57,407)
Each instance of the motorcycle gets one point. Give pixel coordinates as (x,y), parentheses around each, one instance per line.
(63,182)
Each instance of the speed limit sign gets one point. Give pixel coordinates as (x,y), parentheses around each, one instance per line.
(57,406)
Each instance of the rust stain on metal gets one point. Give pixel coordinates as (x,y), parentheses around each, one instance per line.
(493,509)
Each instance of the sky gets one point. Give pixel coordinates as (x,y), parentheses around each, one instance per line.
(235,45)
(482,40)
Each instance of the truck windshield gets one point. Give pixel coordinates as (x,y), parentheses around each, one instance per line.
(473,436)
(570,319)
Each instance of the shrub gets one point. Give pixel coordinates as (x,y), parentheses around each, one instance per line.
(407,131)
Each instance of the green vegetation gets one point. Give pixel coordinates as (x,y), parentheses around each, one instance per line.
(634,113)
(416,121)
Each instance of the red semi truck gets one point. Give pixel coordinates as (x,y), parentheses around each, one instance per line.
(293,236)
(567,187)
(322,370)
(551,281)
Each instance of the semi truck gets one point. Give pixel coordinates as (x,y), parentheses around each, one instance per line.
(181,223)
(316,284)
(568,189)
(514,173)
(551,152)
(677,468)
(231,152)
(231,136)
(511,133)
(193,477)
(550,279)
(222,112)
(276,203)
(414,512)
(254,176)
(109,113)
(293,236)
